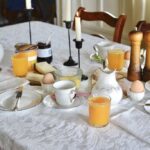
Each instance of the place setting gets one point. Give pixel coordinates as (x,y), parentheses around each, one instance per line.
(31,66)
(19,99)
(111,57)
(36,72)
(64,96)
(133,86)
(66,85)
(100,50)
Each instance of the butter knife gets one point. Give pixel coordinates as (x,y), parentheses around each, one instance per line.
(18,96)
(147,104)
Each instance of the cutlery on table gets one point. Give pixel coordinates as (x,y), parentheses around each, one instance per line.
(147,104)
(18,96)
(144,104)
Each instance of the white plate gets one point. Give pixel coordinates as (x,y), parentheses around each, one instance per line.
(12,83)
(147,108)
(147,85)
(29,99)
(48,101)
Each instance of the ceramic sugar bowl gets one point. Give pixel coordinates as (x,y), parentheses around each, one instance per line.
(108,85)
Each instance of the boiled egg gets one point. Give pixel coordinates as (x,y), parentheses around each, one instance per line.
(48,78)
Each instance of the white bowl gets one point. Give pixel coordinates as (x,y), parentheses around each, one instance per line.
(136,96)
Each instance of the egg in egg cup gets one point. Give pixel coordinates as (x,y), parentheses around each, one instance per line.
(136,91)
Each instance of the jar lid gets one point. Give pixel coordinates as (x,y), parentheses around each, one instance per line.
(42,45)
(21,47)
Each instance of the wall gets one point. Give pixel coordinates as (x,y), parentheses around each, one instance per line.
(134,9)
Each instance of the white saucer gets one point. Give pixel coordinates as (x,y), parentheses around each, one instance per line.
(147,108)
(96,58)
(147,85)
(48,101)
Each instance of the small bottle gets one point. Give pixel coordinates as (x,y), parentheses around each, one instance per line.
(44,52)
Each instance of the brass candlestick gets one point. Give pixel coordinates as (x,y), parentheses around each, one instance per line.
(134,70)
(146,71)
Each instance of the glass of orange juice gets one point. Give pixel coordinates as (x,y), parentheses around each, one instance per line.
(32,56)
(20,65)
(99,111)
(115,59)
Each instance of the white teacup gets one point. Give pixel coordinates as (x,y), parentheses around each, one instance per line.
(103,47)
(65,92)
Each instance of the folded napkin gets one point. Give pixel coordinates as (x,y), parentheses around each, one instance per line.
(135,122)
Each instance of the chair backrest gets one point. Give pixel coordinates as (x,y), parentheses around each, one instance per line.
(117,23)
(143,26)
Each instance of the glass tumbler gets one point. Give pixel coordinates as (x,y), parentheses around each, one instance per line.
(20,65)
(99,111)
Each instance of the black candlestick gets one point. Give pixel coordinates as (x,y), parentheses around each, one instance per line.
(78,45)
(70,61)
(29,14)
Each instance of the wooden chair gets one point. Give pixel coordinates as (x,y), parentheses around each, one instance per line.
(143,26)
(117,23)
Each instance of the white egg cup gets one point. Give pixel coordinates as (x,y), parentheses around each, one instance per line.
(136,96)
(47,88)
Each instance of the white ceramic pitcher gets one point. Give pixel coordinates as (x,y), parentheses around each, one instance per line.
(108,85)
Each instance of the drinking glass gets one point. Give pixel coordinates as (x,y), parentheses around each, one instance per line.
(32,56)
(115,59)
(99,111)
(70,73)
(20,65)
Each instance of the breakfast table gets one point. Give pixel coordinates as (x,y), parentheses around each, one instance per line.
(45,128)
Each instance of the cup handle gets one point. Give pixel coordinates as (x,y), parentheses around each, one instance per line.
(72,95)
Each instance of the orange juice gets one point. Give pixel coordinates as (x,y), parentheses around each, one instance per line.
(115,59)
(20,65)
(32,56)
(99,110)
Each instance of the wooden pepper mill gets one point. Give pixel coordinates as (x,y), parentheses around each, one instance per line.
(146,71)
(134,70)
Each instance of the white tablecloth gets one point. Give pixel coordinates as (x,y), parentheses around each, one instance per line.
(43,128)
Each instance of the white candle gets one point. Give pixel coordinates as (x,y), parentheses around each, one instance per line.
(28,4)
(68,10)
(78,28)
